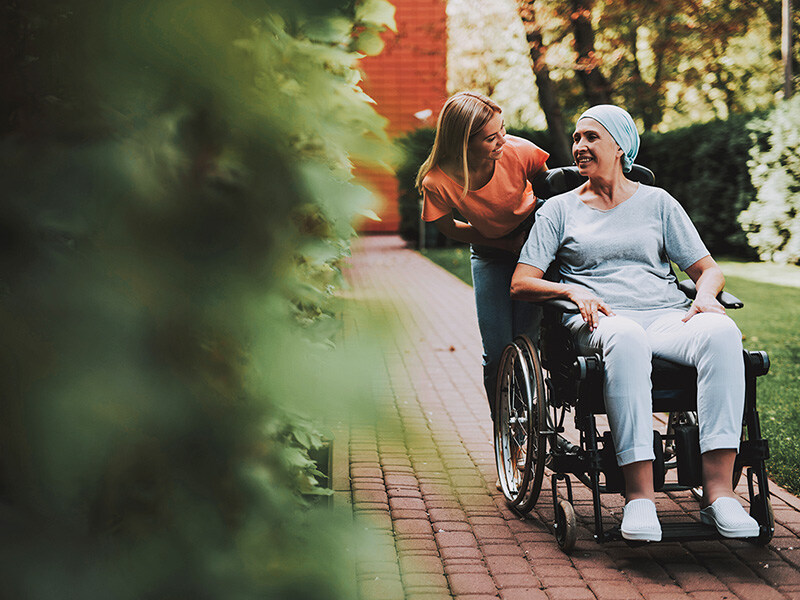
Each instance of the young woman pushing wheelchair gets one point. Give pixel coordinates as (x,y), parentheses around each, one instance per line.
(476,169)
(612,240)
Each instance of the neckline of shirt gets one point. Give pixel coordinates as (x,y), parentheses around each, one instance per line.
(613,208)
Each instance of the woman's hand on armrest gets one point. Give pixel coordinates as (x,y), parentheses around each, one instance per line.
(528,283)
(709,281)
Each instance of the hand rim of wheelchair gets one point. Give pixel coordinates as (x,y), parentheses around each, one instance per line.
(518,425)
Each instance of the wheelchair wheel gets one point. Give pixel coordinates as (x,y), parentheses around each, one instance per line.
(538,443)
(513,425)
(762,512)
(566,529)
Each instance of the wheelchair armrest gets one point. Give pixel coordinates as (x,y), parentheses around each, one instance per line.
(726,299)
(686,286)
(562,304)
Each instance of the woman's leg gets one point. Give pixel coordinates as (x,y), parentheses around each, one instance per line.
(491,282)
(626,355)
(711,343)
(627,363)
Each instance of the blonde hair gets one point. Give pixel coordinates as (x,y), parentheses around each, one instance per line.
(462,116)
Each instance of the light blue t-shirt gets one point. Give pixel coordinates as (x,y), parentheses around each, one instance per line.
(623,254)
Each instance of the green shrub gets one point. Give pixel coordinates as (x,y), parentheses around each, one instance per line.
(705,167)
(177,198)
(772,221)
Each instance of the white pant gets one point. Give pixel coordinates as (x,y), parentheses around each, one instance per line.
(710,342)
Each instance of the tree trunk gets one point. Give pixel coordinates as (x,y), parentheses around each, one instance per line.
(560,151)
(786,48)
(596,87)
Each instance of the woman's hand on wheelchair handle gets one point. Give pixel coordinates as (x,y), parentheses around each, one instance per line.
(704,302)
(590,305)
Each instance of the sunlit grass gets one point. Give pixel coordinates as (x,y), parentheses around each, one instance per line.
(769,321)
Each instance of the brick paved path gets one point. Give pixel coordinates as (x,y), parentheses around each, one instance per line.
(422,478)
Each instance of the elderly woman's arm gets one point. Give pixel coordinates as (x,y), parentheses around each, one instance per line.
(709,281)
(528,283)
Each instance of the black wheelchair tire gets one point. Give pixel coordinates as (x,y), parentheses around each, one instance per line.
(512,425)
(565,526)
(537,454)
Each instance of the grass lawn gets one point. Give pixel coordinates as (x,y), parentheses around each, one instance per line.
(769,321)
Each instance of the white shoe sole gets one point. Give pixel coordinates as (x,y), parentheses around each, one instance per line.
(744,532)
(641,536)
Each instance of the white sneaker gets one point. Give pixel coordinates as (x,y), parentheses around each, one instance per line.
(640,521)
(730,518)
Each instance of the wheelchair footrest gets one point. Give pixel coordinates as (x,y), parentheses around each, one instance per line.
(673,532)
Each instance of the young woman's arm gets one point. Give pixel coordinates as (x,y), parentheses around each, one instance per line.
(464,232)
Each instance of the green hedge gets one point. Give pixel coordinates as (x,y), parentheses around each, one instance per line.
(704,166)
(177,200)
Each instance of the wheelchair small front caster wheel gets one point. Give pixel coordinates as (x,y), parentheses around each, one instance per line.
(762,512)
(566,529)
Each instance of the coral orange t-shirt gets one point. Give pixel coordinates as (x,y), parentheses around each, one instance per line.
(498,207)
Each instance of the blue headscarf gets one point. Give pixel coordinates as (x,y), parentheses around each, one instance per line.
(620,125)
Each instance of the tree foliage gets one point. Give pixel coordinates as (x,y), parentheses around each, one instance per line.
(772,221)
(670,63)
(177,201)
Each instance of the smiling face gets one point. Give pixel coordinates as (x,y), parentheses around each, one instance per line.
(594,149)
(488,142)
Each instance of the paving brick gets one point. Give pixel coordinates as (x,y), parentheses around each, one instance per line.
(444,514)
(471,583)
(430,582)
(507,565)
(381,589)
(757,591)
(614,590)
(523,594)
(414,546)
(570,593)
(460,553)
(406,504)
(458,538)
(421,564)
(516,580)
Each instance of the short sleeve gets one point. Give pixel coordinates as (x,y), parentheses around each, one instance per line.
(434,206)
(682,242)
(544,240)
(533,157)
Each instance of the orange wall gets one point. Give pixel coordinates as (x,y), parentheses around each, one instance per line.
(409,76)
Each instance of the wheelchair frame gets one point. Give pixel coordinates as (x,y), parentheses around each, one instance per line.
(535,393)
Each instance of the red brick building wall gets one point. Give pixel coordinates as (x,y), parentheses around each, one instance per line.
(408,77)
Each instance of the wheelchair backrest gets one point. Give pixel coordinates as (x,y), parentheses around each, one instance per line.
(563,179)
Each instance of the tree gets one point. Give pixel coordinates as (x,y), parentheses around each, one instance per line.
(596,87)
(548,100)
(786,48)
(487,53)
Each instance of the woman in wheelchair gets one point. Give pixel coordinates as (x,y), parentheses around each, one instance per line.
(611,241)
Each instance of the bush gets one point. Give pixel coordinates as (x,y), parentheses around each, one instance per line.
(177,200)
(772,221)
(705,167)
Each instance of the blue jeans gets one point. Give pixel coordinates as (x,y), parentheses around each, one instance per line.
(500,319)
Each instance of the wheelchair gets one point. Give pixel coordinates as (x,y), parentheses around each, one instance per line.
(540,384)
